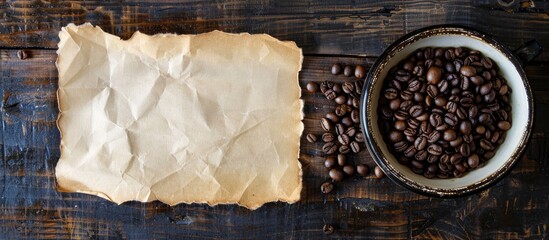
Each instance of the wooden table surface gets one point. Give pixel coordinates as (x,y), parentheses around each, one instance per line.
(350,32)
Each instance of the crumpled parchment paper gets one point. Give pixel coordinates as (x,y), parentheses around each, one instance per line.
(211,118)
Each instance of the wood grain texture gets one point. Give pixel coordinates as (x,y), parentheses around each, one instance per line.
(348,27)
(31,208)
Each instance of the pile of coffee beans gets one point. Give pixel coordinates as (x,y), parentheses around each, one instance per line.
(342,135)
(444,111)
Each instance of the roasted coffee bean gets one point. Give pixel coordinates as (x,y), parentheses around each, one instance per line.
(451,106)
(312,87)
(420,143)
(341,159)
(391,93)
(355,116)
(464,83)
(410,132)
(410,151)
(406,105)
(449,135)
(432,159)
(332,117)
(350,170)
(347,121)
(326,187)
(485,89)
(455,158)
(480,130)
(359,137)
(344,139)
(466,102)
(436,120)
(490,96)
(486,145)
(344,149)
(324,86)
(351,131)
(504,125)
(417,164)
(473,160)
(330,94)
(328,137)
(477,80)
(434,149)
(395,104)
(378,172)
(400,146)
(336,174)
(434,136)
(329,148)
(423,117)
(339,129)
(414,86)
(341,99)
(330,162)
(456,142)
(495,137)
(432,91)
(401,115)
(402,75)
(451,119)
(473,111)
(484,118)
(326,124)
(400,125)
(337,88)
(434,74)
(440,101)
(464,149)
(348,71)
(358,87)
(461,113)
(465,127)
(311,138)
(416,110)
(341,110)
(348,87)
(468,71)
(413,123)
(406,95)
(356,103)
(503,90)
(336,69)
(328,229)
(395,136)
(355,147)
(418,70)
(362,170)
(408,66)
(360,71)
(468,138)
(442,127)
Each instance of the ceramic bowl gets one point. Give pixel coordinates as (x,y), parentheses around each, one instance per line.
(520,99)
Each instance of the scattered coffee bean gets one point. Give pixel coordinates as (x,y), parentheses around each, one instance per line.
(336,174)
(336,69)
(362,170)
(325,124)
(328,229)
(311,138)
(348,71)
(312,87)
(360,72)
(349,170)
(378,172)
(326,187)
(329,148)
(330,162)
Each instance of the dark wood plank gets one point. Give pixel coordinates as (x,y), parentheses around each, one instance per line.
(363,28)
(31,208)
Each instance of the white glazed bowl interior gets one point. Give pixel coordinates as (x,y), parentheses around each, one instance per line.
(518,99)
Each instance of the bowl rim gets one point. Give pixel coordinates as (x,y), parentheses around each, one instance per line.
(365,112)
